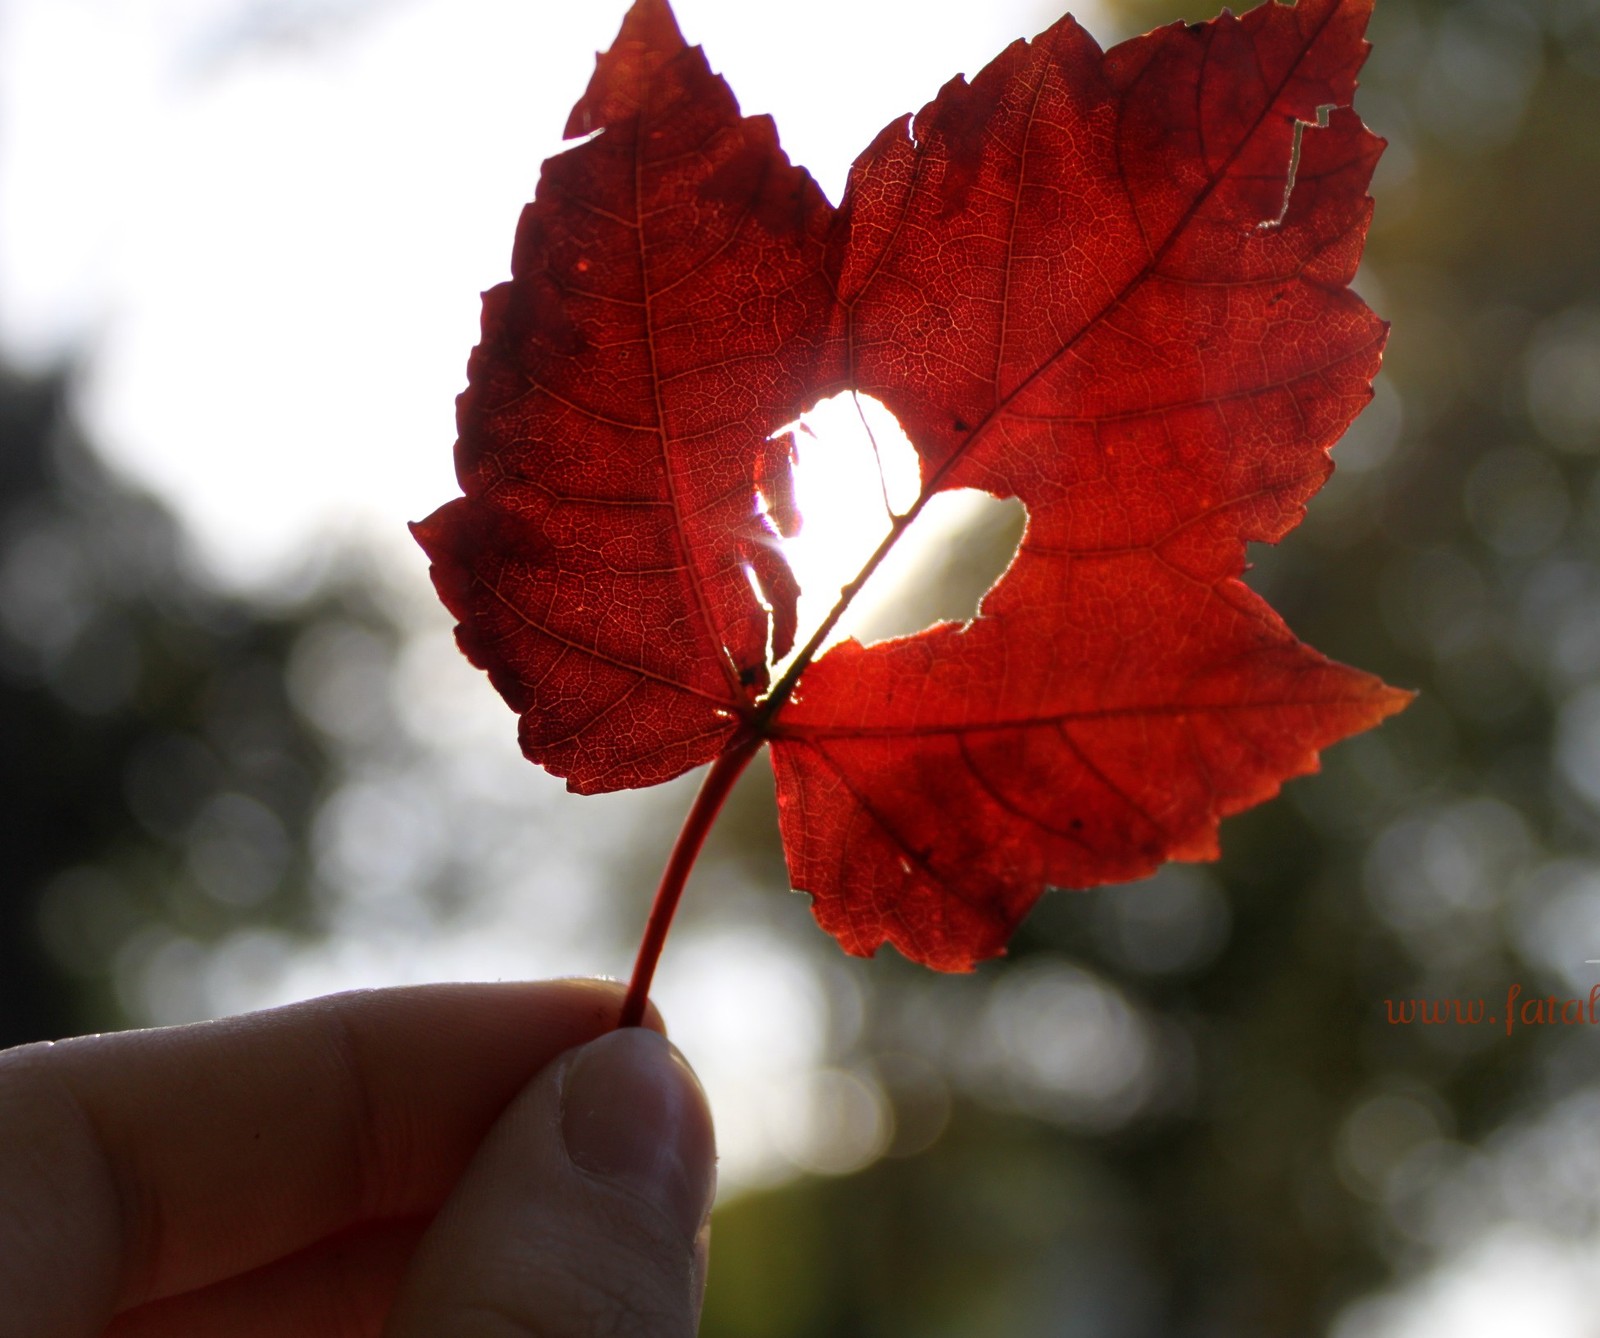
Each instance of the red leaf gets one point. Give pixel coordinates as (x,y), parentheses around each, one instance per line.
(616,425)
(1114,286)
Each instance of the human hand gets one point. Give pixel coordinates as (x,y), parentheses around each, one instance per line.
(435,1161)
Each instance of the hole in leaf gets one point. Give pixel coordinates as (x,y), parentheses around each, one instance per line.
(854,471)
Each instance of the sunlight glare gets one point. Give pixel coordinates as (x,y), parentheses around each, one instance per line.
(847,493)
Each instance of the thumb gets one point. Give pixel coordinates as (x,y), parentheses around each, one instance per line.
(584,1211)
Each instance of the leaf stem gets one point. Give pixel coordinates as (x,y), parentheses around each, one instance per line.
(707,804)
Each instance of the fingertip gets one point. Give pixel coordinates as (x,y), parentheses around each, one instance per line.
(584,1211)
(633,1114)
(613,992)
(653,1019)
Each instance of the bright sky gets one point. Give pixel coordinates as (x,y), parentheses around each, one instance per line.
(268,223)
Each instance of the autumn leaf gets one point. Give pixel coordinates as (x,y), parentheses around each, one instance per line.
(1113,285)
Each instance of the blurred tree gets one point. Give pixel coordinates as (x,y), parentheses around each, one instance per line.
(155,784)
(1178,1108)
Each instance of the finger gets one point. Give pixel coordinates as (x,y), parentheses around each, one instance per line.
(342,1287)
(581,1214)
(140,1165)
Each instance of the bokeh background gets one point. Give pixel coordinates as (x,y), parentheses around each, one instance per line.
(241,243)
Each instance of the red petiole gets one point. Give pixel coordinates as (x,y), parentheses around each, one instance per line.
(707,804)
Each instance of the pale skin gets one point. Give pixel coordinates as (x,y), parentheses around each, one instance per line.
(481,1161)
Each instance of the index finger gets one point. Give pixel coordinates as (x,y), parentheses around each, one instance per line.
(143,1164)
